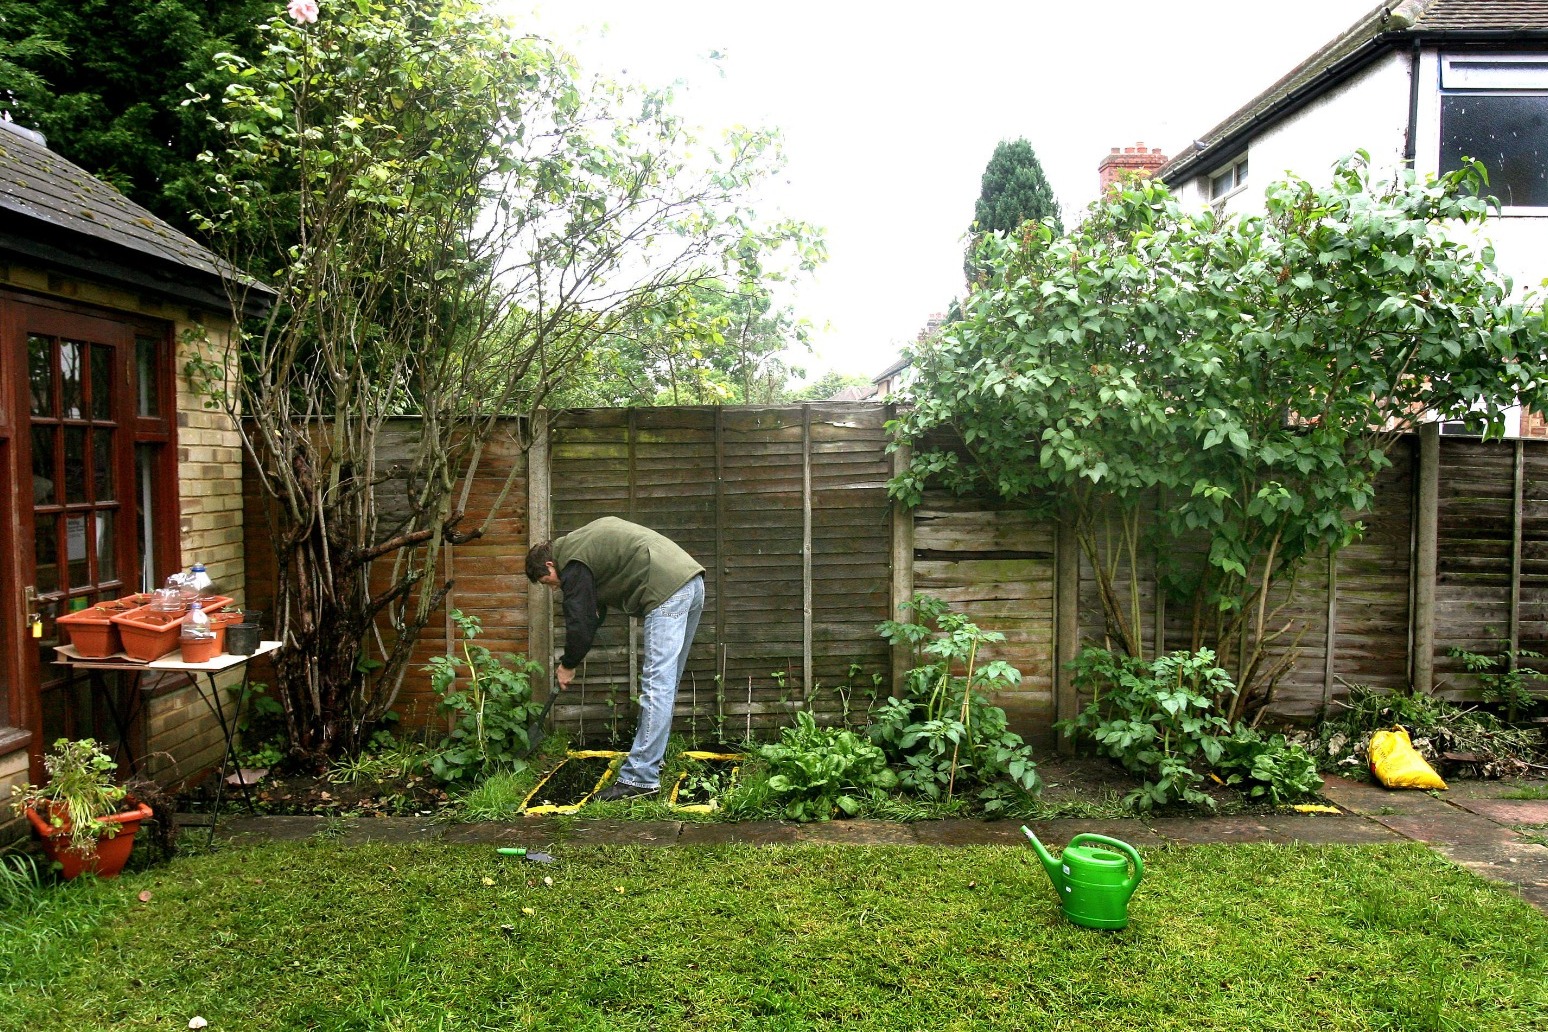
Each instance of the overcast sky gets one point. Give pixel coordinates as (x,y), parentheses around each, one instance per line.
(890,113)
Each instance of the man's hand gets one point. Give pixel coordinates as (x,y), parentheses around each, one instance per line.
(564,675)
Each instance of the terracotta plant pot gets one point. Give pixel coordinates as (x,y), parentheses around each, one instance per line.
(200,651)
(219,622)
(110,855)
(92,631)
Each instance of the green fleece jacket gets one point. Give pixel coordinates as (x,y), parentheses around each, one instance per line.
(635,568)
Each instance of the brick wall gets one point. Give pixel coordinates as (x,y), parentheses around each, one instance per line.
(489,582)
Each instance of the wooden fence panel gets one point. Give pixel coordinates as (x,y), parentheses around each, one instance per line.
(786,508)
(749,492)
(1473,589)
(996,565)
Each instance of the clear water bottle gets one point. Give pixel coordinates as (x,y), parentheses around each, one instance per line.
(200,579)
(196,626)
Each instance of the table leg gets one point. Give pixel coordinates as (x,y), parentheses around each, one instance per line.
(228,732)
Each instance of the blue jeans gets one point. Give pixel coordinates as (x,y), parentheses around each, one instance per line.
(669,630)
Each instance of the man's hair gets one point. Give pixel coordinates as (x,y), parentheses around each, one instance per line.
(538,558)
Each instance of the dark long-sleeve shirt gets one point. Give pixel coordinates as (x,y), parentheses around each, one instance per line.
(582,614)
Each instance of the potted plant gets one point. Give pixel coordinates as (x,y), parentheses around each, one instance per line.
(86,822)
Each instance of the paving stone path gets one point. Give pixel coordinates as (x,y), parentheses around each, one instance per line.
(1469,825)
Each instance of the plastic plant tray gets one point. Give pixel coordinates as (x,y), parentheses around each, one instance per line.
(149,635)
(92,631)
(539,801)
(731,763)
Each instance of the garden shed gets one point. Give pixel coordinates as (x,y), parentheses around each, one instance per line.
(116,473)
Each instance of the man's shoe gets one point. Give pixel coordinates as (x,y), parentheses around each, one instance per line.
(619,791)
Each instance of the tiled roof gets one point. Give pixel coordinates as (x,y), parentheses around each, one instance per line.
(1389,26)
(1488,15)
(39,185)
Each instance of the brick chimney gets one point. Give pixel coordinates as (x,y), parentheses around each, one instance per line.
(1136,162)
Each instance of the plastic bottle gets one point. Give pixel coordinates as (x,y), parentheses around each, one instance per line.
(180,583)
(200,579)
(196,627)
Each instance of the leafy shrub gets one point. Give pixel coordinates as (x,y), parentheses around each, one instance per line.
(1504,680)
(943,734)
(492,708)
(1158,719)
(814,771)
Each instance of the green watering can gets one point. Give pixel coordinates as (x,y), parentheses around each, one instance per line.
(1094,885)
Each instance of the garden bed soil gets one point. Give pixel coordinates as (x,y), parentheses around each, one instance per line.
(301,794)
(704,781)
(571,781)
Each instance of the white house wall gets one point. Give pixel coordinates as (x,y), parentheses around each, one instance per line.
(1369,112)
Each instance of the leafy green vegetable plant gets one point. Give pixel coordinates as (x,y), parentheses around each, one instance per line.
(815,771)
(492,708)
(943,733)
(80,791)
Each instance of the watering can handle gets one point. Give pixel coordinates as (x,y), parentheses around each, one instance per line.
(1122,847)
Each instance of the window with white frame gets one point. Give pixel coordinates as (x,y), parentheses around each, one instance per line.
(1229,178)
(1494,108)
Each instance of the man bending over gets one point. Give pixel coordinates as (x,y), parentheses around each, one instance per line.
(614,563)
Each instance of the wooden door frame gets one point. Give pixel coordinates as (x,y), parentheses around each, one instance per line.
(21,314)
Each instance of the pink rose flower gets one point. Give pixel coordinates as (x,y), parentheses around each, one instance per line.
(303,11)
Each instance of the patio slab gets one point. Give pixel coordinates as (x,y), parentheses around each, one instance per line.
(1446,828)
(1328,829)
(1184,831)
(619,833)
(968,833)
(1369,798)
(856,833)
(1509,811)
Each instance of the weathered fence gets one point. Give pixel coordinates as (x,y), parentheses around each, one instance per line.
(786,508)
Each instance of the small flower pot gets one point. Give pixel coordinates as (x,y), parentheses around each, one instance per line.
(110,854)
(243,639)
(221,624)
(200,650)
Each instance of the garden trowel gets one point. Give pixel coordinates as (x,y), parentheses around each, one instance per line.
(530,855)
(538,729)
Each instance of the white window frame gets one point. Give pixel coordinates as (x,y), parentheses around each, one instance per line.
(1236,168)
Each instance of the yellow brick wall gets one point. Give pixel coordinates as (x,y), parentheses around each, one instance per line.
(13,771)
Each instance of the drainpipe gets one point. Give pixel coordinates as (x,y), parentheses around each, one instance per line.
(1410,145)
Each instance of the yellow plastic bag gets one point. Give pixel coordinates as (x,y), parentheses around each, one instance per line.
(1397,764)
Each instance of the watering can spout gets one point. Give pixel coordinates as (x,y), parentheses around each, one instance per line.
(1051,865)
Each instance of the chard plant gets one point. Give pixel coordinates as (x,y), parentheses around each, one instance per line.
(815,772)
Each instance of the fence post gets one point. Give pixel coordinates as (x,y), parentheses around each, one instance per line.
(902,565)
(806,552)
(1517,503)
(1426,538)
(1066,627)
(540,627)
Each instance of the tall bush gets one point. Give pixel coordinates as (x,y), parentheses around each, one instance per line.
(1217,394)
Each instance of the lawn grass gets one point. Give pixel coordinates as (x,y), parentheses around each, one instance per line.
(327,936)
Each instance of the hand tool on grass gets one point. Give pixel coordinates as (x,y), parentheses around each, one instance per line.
(532,855)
